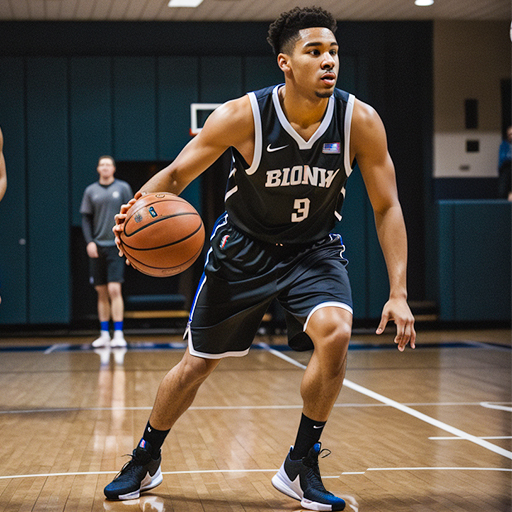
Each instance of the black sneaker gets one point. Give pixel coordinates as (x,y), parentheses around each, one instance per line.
(139,474)
(300,479)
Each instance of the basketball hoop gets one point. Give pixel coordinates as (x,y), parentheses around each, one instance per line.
(199,112)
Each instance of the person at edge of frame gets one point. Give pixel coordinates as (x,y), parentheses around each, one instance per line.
(100,202)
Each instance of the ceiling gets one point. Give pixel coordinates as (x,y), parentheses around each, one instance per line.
(248,10)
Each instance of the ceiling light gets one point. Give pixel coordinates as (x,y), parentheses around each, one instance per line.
(184,3)
(423,3)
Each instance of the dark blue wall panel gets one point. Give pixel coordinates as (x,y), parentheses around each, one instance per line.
(446,257)
(13,214)
(260,72)
(353,229)
(90,121)
(48,190)
(178,88)
(134,113)
(475,260)
(220,79)
(378,283)
(482,260)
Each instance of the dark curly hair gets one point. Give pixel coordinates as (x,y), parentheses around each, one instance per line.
(283,33)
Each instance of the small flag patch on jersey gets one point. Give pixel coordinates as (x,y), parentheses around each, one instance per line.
(332,148)
(224,241)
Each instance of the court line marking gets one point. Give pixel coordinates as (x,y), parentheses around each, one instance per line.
(403,408)
(507,470)
(135,346)
(191,472)
(386,402)
(227,407)
(461,439)
(57,346)
(249,407)
(209,471)
(490,405)
(232,407)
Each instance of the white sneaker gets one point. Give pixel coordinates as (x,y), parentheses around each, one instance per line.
(102,341)
(118,340)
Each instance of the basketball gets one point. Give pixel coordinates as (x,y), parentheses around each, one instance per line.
(163,235)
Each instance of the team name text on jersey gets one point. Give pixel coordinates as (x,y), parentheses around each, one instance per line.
(300,175)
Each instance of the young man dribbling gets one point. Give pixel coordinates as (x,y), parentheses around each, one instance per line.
(293,147)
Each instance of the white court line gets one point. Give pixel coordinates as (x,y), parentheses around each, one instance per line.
(461,439)
(507,470)
(192,472)
(412,412)
(217,471)
(229,407)
(57,346)
(490,405)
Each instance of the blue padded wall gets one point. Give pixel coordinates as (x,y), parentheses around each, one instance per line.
(48,187)
(13,208)
(474,240)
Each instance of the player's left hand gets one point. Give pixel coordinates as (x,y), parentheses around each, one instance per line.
(398,310)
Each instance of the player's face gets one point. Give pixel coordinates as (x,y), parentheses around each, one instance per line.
(106,168)
(314,61)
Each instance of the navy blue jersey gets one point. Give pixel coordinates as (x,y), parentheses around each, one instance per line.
(293,191)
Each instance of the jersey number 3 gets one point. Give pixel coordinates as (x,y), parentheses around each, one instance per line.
(301,207)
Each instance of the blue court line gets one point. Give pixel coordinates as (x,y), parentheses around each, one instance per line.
(354,346)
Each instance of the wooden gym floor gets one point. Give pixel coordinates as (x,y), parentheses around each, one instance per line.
(426,430)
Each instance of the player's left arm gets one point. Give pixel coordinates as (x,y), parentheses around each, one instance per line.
(369,147)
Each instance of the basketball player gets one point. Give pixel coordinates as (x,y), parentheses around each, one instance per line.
(3,172)
(100,203)
(293,147)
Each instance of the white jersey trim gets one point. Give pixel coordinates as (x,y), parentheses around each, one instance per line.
(230,192)
(258,136)
(348,123)
(288,127)
(325,305)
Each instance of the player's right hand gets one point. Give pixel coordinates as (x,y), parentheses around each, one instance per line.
(120,219)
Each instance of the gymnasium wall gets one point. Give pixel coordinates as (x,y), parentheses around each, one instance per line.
(70,92)
(472,59)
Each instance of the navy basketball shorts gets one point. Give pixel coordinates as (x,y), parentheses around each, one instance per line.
(241,278)
(107,268)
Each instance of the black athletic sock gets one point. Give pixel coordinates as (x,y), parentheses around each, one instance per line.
(155,438)
(308,435)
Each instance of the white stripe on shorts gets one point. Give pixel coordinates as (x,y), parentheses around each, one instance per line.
(326,305)
(206,355)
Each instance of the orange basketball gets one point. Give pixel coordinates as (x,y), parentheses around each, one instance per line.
(163,234)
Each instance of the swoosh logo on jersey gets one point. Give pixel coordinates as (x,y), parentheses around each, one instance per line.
(271,150)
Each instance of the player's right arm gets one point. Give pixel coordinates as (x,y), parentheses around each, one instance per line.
(229,125)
